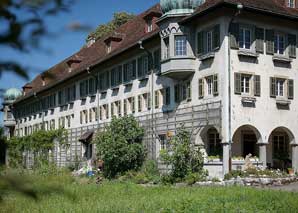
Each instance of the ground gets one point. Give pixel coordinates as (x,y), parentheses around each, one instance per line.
(83,195)
(293,187)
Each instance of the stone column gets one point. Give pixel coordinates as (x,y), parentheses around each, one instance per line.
(225,157)
(263,154)
(295,156)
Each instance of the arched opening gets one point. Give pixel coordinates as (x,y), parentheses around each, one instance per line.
(279,155)
(211,140)
(245,141)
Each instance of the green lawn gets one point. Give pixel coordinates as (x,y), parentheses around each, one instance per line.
(80,196)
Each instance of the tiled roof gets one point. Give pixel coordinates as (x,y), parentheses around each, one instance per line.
(132,32)
(276,7)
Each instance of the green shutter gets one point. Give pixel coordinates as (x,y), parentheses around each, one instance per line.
(270,42)
(216,37)
(177,93)
(257,85)
(290,89)
(215,85)
(292,45)
(234,35)
(272,87)
(201,88)
(237,81)
(200,43)
(259,34)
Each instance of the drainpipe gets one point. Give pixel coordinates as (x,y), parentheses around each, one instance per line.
(239,9)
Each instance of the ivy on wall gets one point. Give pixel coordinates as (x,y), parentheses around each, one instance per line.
(40,142)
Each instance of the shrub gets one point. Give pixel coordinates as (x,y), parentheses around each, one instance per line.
(182,156)
(120,146)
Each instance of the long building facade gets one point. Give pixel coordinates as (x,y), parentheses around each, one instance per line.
(225,69)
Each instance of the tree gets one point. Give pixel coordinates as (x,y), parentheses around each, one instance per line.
(182,156)
(23,26)
(104,29)
(120,146)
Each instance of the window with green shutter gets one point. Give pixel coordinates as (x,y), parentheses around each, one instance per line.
(270,41)
(237,83)
(292,41)
(290,89)
(257,85)
(259,34)
(216,37)
(201,88)
(272,87)
(215,85)
(234,35)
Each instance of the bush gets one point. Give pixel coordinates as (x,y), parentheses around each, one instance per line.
(183,157)
(120,146)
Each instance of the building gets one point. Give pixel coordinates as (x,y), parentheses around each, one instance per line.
(226,69)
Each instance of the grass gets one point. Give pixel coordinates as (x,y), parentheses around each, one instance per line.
(83,195)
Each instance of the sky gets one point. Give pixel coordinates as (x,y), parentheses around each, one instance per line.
(64,43)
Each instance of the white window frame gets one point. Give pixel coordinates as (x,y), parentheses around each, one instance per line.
(209,85)
(243,38)
(291,3)
(280,87)
(277,45)
(180,45)
(246,86)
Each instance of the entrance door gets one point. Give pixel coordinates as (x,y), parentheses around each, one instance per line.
(249,145)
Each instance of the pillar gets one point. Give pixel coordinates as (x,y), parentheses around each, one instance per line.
(295,156)
(225,157)
(263,154)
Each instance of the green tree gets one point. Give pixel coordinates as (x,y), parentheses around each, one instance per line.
(120,146)
(104,29)
(182,156)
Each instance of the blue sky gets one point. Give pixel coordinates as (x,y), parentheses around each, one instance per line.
(65,42)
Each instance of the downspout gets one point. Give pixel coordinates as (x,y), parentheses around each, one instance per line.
(239,9)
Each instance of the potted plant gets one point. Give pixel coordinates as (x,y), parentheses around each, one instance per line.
(291,171)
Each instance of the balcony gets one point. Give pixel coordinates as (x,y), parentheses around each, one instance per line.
(178,68)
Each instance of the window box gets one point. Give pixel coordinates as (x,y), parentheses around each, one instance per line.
(281,59)
(248,99)
(247,53)
(207,56)
(282,101)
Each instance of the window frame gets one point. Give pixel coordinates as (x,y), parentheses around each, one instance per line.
(180,45)
(277,48)
(242,39)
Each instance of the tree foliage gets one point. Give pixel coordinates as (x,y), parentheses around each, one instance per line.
(104,29)
(182,156)
(23,26)
(120,146)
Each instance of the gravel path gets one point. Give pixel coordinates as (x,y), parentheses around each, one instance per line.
(293,187)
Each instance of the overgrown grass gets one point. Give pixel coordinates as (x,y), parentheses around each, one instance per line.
(82,195)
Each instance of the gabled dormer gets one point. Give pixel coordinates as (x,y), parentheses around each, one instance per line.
(112,41)
(151,19)
(27,88)
(73,63)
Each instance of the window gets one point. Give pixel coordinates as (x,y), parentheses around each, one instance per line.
(156,56)
(132,104)
(209,41)
(109,47)
(245,84)
(149,25)
(157,99)
(90,115)
(281,87)
(84,88)
(180,45)
(129,71)
(209,85)
(279,44)
(167,96)
(183,92)
(245,38)
(125,103)
(291,3)
(163,142)
(140,103)
(68,121)
(143,66)
(280,145)
(214,143)
(166,52)
(92,86)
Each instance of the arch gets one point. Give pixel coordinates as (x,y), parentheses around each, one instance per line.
(245,141)
(279,153)
(201,134)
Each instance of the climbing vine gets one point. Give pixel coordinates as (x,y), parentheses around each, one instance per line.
(40,142)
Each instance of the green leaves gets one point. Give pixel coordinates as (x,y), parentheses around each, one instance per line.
(120,146)
(182,156)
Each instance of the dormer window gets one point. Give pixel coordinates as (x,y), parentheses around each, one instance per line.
(149,26)
(109,47)
(291,3)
